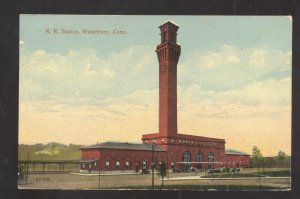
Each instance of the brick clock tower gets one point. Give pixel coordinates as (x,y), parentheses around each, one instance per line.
(179,147)
(168,52)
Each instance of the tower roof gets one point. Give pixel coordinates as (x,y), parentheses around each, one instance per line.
(169,22)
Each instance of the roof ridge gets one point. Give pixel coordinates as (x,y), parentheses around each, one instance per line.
(125,145)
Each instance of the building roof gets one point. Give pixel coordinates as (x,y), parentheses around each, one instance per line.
(124,145)
(234,152)
(183,136)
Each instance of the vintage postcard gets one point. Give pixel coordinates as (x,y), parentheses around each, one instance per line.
(155,102)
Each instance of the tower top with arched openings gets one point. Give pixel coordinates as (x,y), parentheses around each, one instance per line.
(169,32)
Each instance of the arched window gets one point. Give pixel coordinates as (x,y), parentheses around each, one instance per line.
(210,159)
(186,156)
(199,157)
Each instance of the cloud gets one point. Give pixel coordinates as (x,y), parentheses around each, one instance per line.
(231,67)
(86,74)
(274,95)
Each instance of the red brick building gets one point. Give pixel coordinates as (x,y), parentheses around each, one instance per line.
(235,158)
(178,151)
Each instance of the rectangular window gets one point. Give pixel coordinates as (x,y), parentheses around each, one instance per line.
(117,163)
(127,163)
(107,164)
(144,164)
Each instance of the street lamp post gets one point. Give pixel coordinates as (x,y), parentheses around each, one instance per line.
(27,166)
(123,161)
(152,166)
(167,165)
(99,165)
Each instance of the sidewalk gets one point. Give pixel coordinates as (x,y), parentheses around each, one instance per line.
(199,178)
(104,174)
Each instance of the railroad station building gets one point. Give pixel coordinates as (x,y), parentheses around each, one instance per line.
(179,151)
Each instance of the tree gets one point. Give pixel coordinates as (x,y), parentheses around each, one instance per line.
(257,157)
(257,160)
(162,172)
(281,156)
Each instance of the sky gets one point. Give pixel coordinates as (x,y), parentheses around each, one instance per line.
(234,79)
